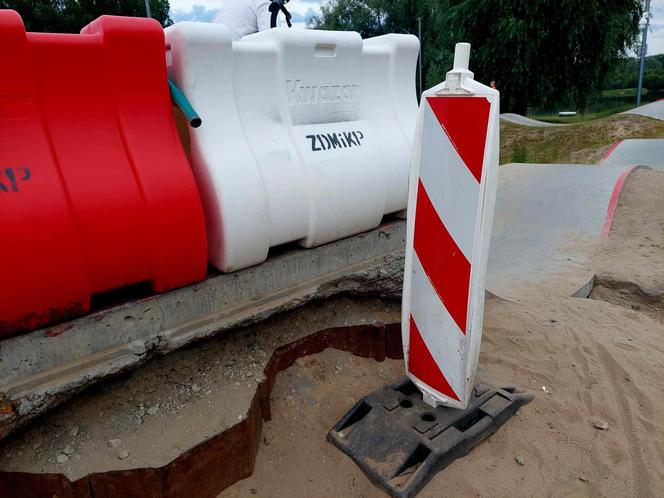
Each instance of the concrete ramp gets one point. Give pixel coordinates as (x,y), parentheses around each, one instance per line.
(645,152)
(653,110)
(547,218)
(524,121)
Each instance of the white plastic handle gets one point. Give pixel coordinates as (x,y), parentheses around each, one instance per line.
(461,56)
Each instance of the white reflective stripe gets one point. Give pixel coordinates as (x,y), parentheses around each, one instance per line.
(452,188)
(439,331)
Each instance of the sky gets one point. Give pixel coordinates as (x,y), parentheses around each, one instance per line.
(204,10)
(656,35)
(303,10)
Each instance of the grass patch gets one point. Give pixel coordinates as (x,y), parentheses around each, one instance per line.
(519,153)
(622,92)
(583,117)
(583,143)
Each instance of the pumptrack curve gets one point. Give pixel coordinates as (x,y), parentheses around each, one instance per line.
(548,218)
(644,152)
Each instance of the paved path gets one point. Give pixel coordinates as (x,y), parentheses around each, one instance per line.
(524,121)
(653,110)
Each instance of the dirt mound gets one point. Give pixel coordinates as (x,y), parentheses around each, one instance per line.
(582,143)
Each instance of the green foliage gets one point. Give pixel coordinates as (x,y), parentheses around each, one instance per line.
(69,16)
(539,52)
(625,74)
(378,17)
(583,117)
(621,93)
(542,52)
(520,153)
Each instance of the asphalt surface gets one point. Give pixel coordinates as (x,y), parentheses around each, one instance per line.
(547,218)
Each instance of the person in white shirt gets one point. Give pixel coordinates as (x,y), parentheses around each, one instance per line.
(244,17)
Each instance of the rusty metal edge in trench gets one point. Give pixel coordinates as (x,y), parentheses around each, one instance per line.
(401,443)
(196,473)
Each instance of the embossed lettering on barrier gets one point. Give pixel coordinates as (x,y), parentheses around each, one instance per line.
(300,93)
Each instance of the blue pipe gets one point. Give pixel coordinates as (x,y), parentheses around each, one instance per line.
(183,104)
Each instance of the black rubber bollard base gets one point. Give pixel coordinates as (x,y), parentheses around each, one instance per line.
(400,442)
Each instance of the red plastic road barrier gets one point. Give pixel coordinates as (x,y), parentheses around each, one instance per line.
(95,190)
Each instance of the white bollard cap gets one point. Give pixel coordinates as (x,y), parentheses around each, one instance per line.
(461,56)
(455,79)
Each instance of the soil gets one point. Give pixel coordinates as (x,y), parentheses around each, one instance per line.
(629,266)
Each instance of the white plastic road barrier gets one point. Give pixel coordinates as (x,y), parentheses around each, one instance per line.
(306,135)
(451,202)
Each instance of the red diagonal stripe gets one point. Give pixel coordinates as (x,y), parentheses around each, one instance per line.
(465,121)
(423,366)
(442,260)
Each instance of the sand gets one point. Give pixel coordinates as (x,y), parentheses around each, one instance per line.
(629,266)
(598,363)
(590,362)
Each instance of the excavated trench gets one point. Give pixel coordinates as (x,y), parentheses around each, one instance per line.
(224,458)
(628,295)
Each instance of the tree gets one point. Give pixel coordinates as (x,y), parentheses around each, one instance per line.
(69,16)
(539,52)
(542,52)
(625,74)
(378,17)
